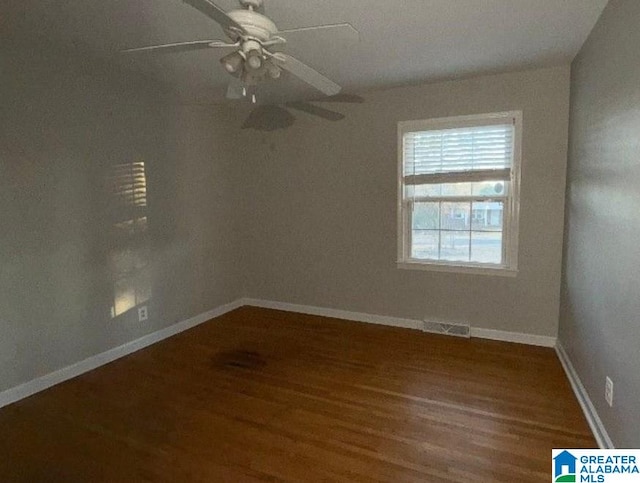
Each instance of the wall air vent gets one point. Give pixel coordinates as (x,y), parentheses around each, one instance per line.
(444,328)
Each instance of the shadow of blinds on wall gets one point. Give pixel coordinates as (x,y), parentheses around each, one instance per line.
(130,256)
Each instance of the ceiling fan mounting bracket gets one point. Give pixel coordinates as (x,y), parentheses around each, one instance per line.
(254,4)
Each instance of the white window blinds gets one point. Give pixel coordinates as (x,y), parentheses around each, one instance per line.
(477,153)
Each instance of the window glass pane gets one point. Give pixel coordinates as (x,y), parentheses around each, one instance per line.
(486,247)
(454,245)
(426,216)
(425,244)
(487,215)
(490,188)
(455,216)
(456,189)
(423,190)
(445,190)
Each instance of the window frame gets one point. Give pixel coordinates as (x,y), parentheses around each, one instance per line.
(510,232)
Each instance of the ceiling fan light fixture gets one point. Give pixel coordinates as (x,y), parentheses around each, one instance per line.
(232,63)
(274,71)
(254,60)
(252,53)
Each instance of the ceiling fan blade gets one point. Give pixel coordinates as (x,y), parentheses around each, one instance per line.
(345,30)
(316,111)
(215,13)
(269,118)
(307,74)
(346,98)
(181,47)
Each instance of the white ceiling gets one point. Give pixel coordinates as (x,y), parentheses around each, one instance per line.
(401,41)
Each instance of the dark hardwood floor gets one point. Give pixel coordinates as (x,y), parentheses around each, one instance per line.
(265,395)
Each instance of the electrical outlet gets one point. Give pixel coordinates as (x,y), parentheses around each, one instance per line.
(608,391)
(143,313)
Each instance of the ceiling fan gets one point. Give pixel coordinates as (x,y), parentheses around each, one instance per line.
(252,36)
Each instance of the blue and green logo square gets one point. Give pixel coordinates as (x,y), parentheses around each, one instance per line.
(564,468)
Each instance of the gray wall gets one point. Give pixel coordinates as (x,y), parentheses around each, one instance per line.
(600,324)
(320,208)
(305,215)
(64,123)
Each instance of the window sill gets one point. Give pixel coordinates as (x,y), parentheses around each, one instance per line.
(471,269)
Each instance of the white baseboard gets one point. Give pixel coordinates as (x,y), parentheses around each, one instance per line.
(595,423)
(44,382)
(335,313)
(516,337)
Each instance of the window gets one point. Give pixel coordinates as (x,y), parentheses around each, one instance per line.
(458,193)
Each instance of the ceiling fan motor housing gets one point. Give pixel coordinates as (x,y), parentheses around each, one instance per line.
(254,24)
